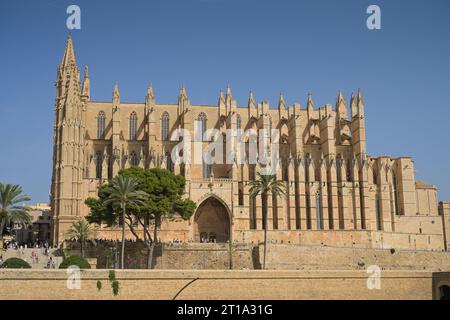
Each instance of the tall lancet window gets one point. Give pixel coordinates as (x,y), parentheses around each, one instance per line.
(169,162)
(101,125)
(133,126)
(98,169)
(165,127)
(394,186)
(201,126)
(339,168)
(238,122)
(378,212)
(319,216)
(134,160)
(207,167)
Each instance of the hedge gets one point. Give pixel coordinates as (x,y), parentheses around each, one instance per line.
(75,261)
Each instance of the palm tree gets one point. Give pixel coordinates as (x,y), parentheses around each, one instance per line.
(266,183)
(10,210)
(123,193)
(80,231)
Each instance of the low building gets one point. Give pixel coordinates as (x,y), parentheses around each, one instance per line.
(40,228)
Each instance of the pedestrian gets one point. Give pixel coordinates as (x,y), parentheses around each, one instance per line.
(33,256)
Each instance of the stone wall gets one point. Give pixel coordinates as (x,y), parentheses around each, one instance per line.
(171,256)
(291,257)
(228,284)
(198,256)
(351,238)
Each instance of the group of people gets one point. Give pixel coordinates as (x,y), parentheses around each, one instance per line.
(38,244)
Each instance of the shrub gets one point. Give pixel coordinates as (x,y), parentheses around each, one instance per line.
(115,287)
(75,261)
(112,275)
(15,263)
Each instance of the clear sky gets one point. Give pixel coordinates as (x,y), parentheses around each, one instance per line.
(295,47)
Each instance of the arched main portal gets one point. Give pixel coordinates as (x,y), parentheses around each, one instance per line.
(212,222)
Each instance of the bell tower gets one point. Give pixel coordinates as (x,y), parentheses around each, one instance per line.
(68,151)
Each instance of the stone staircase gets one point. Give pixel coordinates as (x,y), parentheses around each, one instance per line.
(25,254)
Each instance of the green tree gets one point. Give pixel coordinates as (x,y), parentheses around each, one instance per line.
(10,210)
(80,231)
(123,192)
(164,190)
(265,184)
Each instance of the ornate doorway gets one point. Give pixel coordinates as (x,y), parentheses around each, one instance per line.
(212,221)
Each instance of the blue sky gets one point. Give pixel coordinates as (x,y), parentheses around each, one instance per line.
(295,47)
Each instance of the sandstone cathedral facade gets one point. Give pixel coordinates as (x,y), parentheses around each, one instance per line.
(337,194)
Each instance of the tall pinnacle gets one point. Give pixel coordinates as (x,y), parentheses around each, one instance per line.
(228,91)
(309,103)
(86,82)
(353,107)
(69,53)
(116,93)
(150,92)
(281,102)
(251,100)
(221,97)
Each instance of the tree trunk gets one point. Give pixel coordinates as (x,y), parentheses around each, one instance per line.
(2,227)
(146,241)
(155,239)
(264,221)
(122,256)
(82,247)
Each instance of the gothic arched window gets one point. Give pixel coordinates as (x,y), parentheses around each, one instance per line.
(101,125)
(238,122)
(99,160)
(165,126)
(201,126)
(133,126)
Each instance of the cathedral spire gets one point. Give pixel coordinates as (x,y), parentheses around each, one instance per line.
(228,98)
(281,102)
(183,93)
(86,83)
(183,98)
(228,91)
(221,98)
(69,54)
(341,106)
(360,103)
(150,92)
(150,96)
(310,104)
(353,108)
(116,93)
(251,100)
